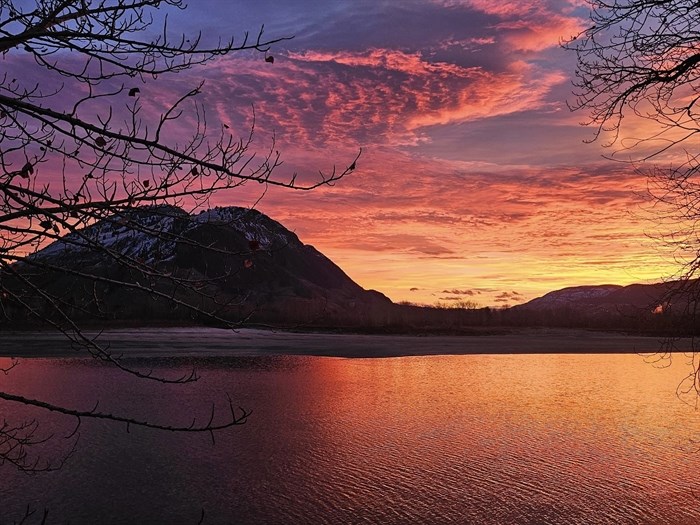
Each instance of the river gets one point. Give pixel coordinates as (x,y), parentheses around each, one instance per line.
(484,439)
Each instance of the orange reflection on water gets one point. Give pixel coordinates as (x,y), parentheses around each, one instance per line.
(531,429)
(489,439)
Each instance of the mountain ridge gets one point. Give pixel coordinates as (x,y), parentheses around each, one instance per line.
(244,263)
(239,265)
(639,295)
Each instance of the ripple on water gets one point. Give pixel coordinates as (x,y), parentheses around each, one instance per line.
(521,439)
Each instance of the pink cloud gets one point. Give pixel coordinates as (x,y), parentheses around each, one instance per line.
(540,34)
(379,96)
(523,87)
(528,25)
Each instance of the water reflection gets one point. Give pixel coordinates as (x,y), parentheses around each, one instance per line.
(462,439)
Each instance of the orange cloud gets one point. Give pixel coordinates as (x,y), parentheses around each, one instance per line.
(407,222)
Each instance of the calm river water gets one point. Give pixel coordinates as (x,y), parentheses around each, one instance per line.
(483,439)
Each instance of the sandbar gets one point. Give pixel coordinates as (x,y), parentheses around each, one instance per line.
(204,341)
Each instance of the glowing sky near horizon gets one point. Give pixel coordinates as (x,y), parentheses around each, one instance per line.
(475,181)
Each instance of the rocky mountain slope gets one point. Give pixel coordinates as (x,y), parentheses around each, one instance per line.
(233,262)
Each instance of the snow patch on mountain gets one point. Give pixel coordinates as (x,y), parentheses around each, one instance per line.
(251,223)
(573,295)
(146,236)
(149,235)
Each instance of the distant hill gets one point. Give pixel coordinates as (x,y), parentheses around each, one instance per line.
(603,297)
(639,307)
(240,264)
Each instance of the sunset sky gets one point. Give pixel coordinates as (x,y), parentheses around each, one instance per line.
(474,182)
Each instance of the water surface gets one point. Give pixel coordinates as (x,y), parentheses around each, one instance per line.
(488,439)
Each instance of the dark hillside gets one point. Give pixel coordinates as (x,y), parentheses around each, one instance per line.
(239,263)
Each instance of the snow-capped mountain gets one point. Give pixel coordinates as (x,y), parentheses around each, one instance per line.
(152,233)
(661,308)
(235,261)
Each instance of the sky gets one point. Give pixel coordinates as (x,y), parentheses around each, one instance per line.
(475,180)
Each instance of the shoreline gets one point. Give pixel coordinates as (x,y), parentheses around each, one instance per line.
(248,342)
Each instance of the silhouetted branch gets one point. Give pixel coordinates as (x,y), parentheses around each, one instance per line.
(640,59)
(233,418)
(85,154)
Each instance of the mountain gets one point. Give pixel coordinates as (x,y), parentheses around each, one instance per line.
(570,296)
(663,308)
(235,262)
(604,298)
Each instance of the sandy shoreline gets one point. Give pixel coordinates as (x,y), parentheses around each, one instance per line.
(163,342)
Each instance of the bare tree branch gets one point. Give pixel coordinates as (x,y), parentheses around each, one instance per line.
(640,59)
(84,150)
